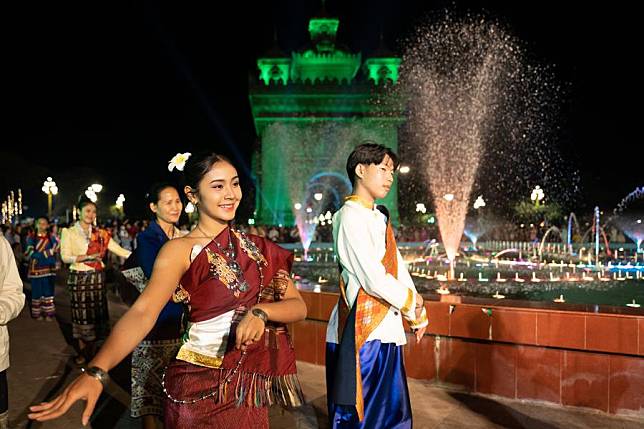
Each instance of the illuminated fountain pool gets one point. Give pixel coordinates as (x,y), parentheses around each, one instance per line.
(514,274)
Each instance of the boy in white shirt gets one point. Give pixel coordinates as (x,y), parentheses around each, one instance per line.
(366,382)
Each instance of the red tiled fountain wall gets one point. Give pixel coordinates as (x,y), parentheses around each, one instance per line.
(568,358)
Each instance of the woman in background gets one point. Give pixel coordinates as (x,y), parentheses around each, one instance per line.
(41,251)
(84,246)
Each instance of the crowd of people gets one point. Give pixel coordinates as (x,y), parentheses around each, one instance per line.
(126,232)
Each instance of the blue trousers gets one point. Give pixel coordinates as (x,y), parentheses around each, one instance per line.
(384,389)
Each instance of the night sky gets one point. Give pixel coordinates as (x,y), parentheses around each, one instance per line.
(109,92)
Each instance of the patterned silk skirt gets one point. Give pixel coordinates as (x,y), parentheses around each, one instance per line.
(88,299)
(186,381)
(149,360)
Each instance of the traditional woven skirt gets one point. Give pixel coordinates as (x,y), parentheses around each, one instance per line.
(42,296)
(149,360)
(88,299)
(186,381)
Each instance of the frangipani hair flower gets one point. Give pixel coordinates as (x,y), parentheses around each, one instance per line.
(178,161)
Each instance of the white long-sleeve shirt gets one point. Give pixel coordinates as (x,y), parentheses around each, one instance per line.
(359,242)
(11,297)
(73,243)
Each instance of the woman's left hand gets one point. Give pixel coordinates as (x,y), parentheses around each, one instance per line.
(249,330)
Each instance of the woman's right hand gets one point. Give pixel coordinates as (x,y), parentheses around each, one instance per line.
(419,305)
(83,258)
(84,387)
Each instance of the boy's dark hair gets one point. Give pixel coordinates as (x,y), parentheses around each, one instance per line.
(367,153)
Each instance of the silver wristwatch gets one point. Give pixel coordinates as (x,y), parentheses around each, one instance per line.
(97,373)
(258,312)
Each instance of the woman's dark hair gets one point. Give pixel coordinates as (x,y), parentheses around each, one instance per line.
(41,217)
(198,165)
(83,201)
(368,153)
(154,193)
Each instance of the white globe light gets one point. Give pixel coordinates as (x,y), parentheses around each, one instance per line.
(480,202)
(190,208)
(318,196)
(297,206)
(404,169)
(96,187)
(448,197)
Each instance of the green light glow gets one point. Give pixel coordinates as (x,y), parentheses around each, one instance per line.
(381,70)
(334,65)
(324,30)
(274,70)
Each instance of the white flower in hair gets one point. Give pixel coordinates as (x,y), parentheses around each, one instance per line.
(178,161)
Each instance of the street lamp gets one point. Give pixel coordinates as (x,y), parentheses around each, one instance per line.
(448,197)
(92,191)
(49,187)
(120,200)
(89,193)
(480,202)
(297,206)
(318,196)
(537,195)
(404,169)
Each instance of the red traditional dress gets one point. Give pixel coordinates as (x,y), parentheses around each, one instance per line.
(211,384)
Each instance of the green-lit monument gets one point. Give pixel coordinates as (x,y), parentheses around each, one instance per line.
(310,110)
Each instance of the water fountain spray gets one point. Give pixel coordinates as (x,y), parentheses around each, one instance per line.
(458,76)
